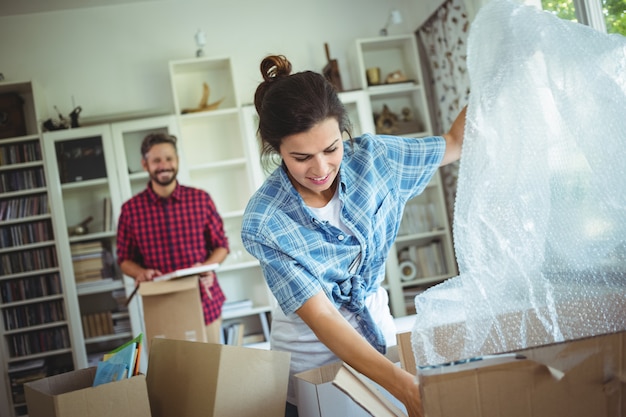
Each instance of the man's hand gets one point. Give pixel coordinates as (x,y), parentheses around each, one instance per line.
(147,275)
(207,279)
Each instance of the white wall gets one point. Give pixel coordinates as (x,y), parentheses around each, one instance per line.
(114,59)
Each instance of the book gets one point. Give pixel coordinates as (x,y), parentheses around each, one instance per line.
(107,214)
(120,363)
(137,342)
(185,272)
(108,371)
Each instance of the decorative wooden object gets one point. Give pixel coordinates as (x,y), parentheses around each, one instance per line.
(204,102)
(331,71)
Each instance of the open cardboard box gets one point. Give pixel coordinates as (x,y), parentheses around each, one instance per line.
(172,309)
(531,382)
(581,377)
(194,379)
(337,390)
(71,395)
(585,376)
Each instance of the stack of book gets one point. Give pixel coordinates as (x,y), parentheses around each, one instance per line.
(233,333)
(87,261)
(97,324)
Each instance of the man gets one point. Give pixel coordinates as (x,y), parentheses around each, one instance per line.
(169,226)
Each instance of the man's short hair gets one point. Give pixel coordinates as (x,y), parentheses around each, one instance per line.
(155,139)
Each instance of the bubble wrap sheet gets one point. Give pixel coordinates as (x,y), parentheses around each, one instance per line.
(540,214)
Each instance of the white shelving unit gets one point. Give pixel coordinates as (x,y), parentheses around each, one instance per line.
(127,137)
(81,164)
(423,254)
(219,160)
(35,329)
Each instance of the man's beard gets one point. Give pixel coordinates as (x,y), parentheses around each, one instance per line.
(155,177)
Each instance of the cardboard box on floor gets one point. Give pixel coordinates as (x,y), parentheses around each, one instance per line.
(195,379)
(337,390)
(172,309)
(593,385)
(71,395)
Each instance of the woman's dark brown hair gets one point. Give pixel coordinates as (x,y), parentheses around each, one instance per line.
(288,104)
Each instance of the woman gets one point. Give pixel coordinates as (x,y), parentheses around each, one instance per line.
(323,222)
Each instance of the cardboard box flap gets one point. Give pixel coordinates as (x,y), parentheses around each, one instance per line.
(111,399)
(72,394)
(147,289)
(405,351)
(65,382)
(195,379)
(364,394)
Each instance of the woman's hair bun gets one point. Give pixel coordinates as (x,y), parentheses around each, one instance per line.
(275,66)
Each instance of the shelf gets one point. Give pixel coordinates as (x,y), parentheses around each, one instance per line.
(401,109)
(35,300)
(98,182)
(36,327)
(108,338)
(40,355)
(420,238)
(28,246)
(99,287)
(10,194)
(246,312)
(30,273)
(21,165)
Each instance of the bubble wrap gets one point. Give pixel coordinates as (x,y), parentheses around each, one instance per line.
(540,212)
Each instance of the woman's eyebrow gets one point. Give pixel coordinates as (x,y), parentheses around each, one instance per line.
(326,149)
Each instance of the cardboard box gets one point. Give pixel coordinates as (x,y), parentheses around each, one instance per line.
(172,309)
(71,395)
(337,390)
(194,379)
(577,378)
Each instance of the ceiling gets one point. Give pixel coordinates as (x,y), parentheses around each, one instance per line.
(18,7)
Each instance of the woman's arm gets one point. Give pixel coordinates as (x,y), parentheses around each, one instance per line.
(343,340)
(454,139)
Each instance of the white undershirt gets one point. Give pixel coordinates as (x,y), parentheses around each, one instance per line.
(331,213)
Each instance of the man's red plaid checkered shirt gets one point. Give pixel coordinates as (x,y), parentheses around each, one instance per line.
(173,233)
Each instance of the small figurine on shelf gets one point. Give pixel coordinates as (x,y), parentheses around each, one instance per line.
(62,122)
(80,228)
(331,71)
(74,116)
(204,102)
(386,121)
(396,77)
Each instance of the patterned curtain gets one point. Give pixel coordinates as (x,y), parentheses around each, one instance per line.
(443,46)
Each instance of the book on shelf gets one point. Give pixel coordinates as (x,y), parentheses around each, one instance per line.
(85,248)
(233,334)
(250,339)
(107,215)
(97,324)
(82,284)
(237,306)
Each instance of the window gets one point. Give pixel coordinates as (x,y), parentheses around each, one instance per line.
(605,15)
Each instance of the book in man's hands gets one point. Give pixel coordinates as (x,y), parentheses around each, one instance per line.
(185,272)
